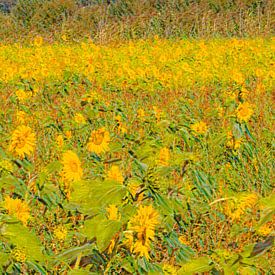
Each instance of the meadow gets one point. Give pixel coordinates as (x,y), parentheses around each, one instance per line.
(148,156)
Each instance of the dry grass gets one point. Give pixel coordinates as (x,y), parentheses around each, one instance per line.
(132,19)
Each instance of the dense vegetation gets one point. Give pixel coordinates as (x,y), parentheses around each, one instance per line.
(106,21)
(146,157)
(137,137)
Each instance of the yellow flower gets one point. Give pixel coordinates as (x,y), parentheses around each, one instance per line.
(232,142)
(64,37)
(142,249)
(79,118)
(183,240)
(199,127)
(265,229)
(144,223)
(129,240)
(17,208)
(244,111)
(19,255)
(72,170)
(99,141)
(38,41)
(113,214)
(59,141)
(237,207)
(164,156)
(22,95)
(22,141)
(140,113)
(60,233)
(68,134)
(115,174)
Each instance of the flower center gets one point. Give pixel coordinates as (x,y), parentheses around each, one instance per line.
(97,138)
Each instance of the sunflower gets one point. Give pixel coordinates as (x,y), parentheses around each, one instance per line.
(17,208)
(22,141)
(144,224)
(79,118)
(60,233)
(199,127)
(244,112)
(72,170)
(115,174)
(99,141)
(59,141)
(22,95)
(113,213)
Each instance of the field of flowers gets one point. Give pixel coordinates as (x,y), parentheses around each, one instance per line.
(145,157)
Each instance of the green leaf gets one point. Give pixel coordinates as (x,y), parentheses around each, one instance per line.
(20,236)
(202,264)
(8,181)
(3,258)
(101,229)
(77,272)
(93,195)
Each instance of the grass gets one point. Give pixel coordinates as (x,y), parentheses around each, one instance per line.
(132,19)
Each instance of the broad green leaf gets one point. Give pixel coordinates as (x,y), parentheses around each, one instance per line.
(202,264)
(93,195)
(21,237)
(101,229)
(3,258)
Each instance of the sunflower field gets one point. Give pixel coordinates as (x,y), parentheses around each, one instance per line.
(152,156)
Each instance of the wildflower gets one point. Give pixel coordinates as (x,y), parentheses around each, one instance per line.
(244,111)
(99,141)
(113,214)
(164,156)
(142,249)
(183,240)
(115,174)
(19,255)
(237,207)
(232,142)
(79,118)
(22,95)
(60,233)
(140,113)
(158,113)
(129,240)
(199,127)
(59,141)
(17,208)
(38,41)
(72,170)
(144,223)
(22,141)
(265,229)
(64,37)
(68,134)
